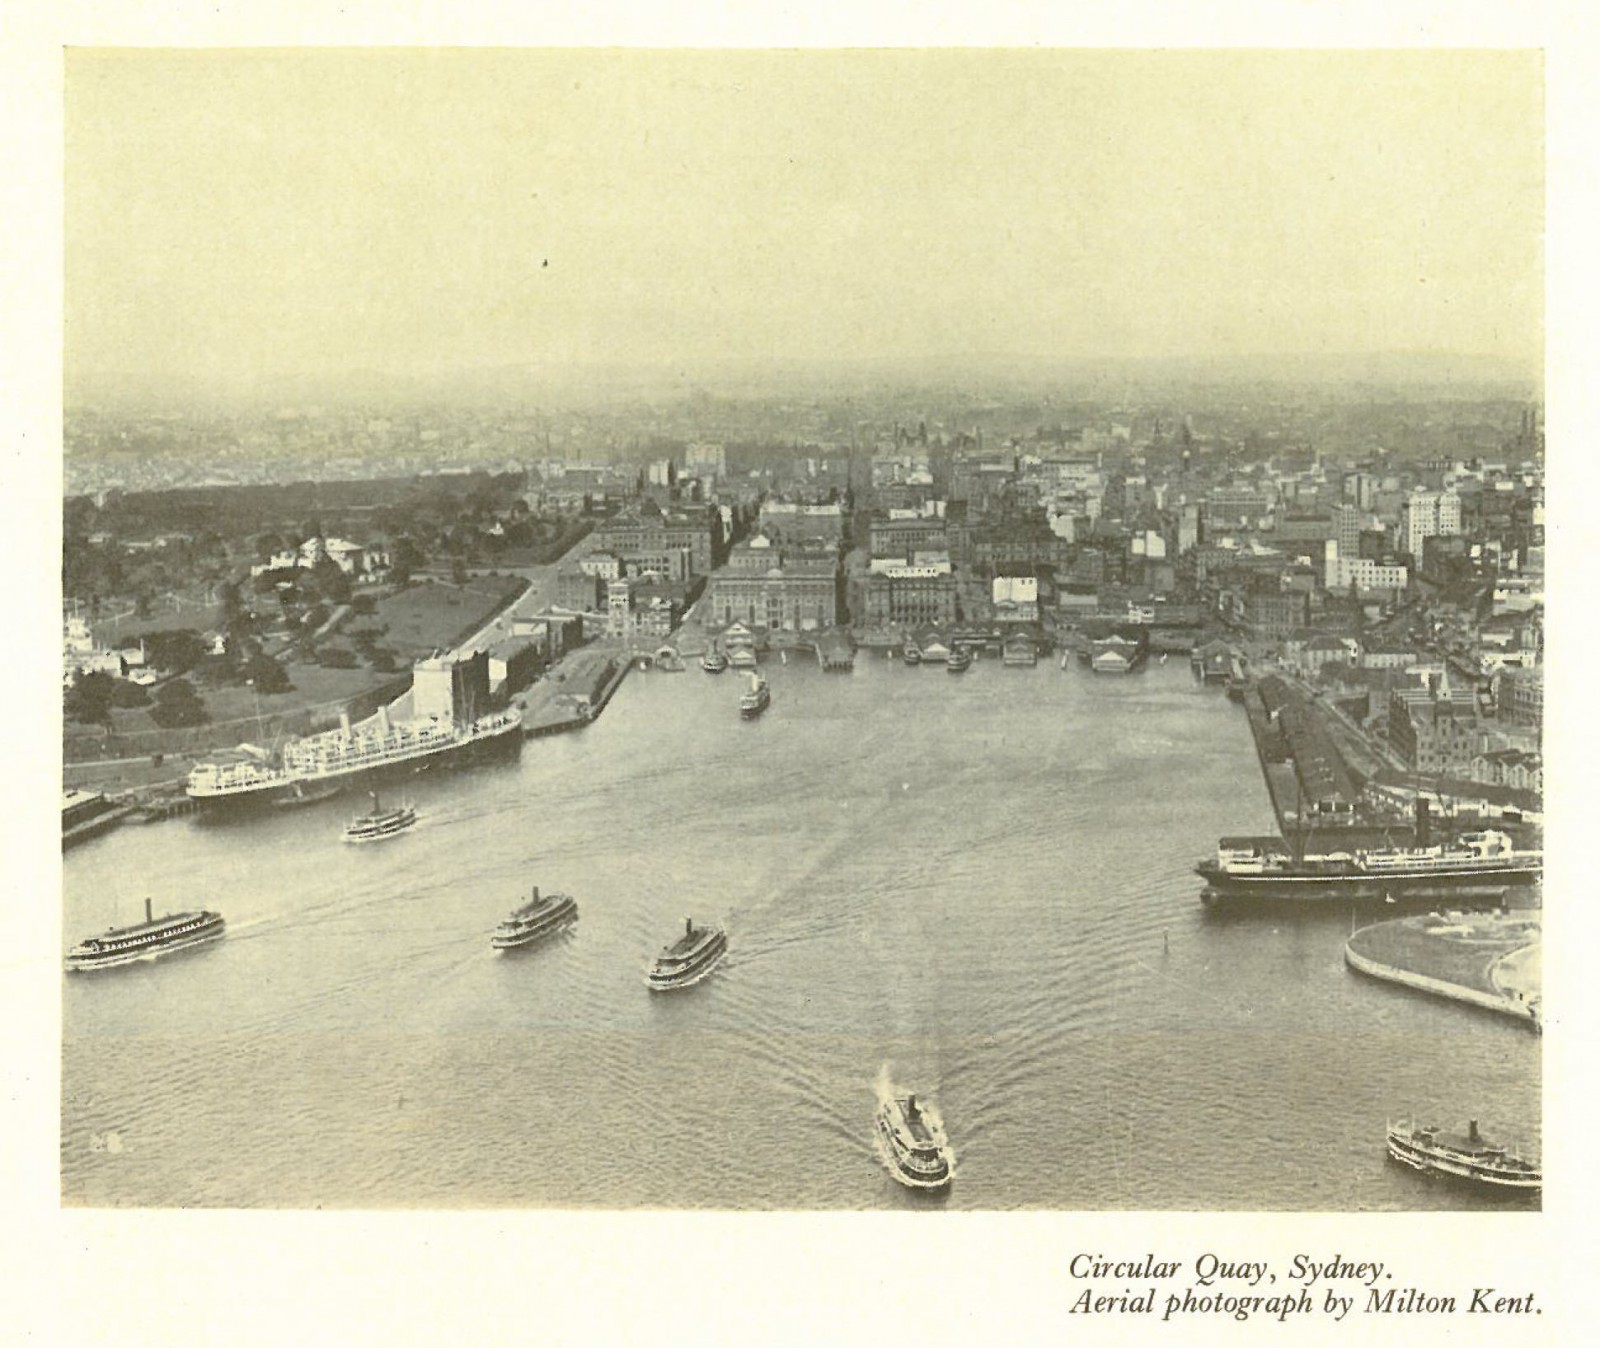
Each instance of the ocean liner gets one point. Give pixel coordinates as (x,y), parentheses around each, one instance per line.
(1485,861)
(443,728)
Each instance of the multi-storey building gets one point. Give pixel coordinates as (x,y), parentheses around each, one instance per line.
(908,596)
(1428,514)
(765,587)
(650,531)
(1435,730)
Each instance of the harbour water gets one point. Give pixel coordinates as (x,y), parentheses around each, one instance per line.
(984,882)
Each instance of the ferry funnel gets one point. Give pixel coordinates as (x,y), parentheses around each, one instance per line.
(344,723)
(149,918)
(688,926)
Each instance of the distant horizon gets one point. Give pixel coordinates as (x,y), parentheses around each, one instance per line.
(1403,368)
(244,217)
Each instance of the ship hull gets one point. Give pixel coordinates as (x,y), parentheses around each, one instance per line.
(1483,883)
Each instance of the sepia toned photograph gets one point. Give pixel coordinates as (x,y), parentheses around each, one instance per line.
(803,630)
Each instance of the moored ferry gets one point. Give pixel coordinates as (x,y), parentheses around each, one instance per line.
(714,661)
(688,959)
(1265,868)
(756,699)
(379,822)
(146,940)
(536,918)
(959,661)
(1466,1156)
(911,655)
(913,1142)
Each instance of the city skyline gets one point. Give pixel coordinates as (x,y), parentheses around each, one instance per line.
(240,216)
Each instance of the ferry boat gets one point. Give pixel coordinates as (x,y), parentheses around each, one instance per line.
(756,699)
(1470,1157)
(146,940)
(911,655)
(379,822)
(539,916)
(250,774)
(714,661)
(959,660)
(688,959)
(1264,868)
(914,1144)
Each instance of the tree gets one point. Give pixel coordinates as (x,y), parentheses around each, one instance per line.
(266,674)
(125,694)
(332,583)
(177,704)
(89,700)
(178,650)
(268,546)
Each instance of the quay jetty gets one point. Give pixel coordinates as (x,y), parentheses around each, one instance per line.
(1487,960)
(573,693)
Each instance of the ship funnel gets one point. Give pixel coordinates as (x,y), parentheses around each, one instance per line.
(1472,1130)
(536,891)
(1423,830)
(383,720)
(688,926)
(344,723)
(149,918)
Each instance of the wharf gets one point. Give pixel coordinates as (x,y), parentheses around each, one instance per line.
(835,653)
(574,693)
(1488,960)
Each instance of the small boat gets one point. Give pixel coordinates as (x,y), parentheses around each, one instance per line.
(147,940)
(756,699)
(914,1143)
(1466,1157)
(379,822)
(959,661)
(301,794)
(714,661)
(688,959)
(539,916)
(911,655)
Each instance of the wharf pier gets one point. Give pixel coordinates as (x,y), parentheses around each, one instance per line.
(574,693)
(835,653)
(1487,960)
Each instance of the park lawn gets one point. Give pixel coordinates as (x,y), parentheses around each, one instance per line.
(433,615)
(193,615)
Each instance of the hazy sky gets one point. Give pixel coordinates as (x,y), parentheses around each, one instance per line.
(280,211)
